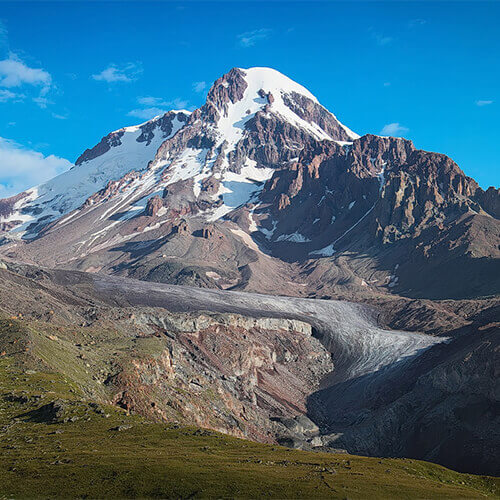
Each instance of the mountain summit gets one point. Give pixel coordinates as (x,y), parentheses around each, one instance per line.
(232,105)
(260,186)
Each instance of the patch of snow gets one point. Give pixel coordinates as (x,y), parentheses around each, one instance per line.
(268,233)
(252,226)
(327,251)
(352,204)
(294,238)
(238,189)
(151,228)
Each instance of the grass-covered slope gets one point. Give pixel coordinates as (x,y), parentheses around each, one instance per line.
(55,444)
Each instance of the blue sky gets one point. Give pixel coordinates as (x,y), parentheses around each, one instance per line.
(70,72)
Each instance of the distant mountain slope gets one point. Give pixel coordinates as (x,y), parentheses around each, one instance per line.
(263,189)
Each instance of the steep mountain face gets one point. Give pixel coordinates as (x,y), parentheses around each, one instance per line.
(264,189)
(108,167)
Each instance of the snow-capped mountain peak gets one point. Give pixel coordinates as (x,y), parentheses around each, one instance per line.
(254,120)
(242,93)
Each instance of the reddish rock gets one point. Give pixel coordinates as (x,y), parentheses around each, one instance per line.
(153,206)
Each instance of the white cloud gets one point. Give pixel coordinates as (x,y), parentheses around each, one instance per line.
(394,129)
(484,103)
(199,86)
(22,168)
(114,73)
(42,102)
(153,101)
(250,38)
(156,106)
(14,73)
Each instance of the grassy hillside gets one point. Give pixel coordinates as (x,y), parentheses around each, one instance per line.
(55,445)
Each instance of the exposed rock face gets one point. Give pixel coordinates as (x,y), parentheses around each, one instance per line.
(314,113)
(229,88)
(490,200)
(7,204)
(111,140)
(251,368)
(154,205)
(442,411)
(111,190)
(165,123)
(208,231)
(182,227)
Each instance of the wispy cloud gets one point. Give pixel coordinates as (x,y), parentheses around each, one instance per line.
(3,34)
(119,73)
(7,95)
(380,39)
(416,22)
(250,38)
(42,102)
(15,73)
(146,113)
(22,168)
(484,102)
(155,106)
(383,40)
(387,84)
(394,129)
(199,86)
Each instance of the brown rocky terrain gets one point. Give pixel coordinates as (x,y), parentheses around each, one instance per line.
(312,374)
